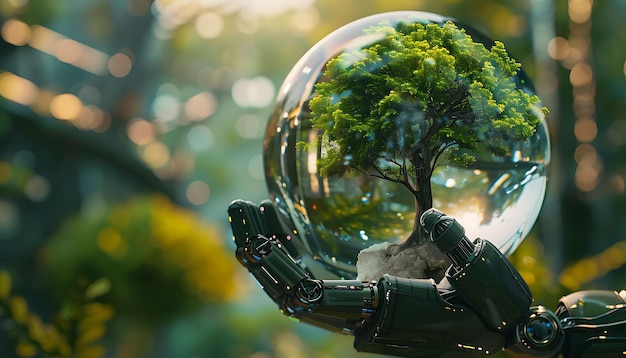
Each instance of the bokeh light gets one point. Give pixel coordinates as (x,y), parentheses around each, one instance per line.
(166,107)
(156,155)
(585,130)
(579,10)
(200,138)
(198,192)
(249,126)
(120,64)
(9,218)
(140,131)
(81,55)
(581,74)
(65,106)
(200,106)
(16,32)
(17,89)
(558,48)
(255,167)
(253,92)
(618,184)
(37,188)
(209,25)
(67,50)
(305,20)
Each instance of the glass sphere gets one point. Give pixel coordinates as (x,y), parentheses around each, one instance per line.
(337,208)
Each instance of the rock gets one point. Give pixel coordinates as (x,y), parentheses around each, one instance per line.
(419,262)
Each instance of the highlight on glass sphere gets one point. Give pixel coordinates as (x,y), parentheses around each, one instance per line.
(396,113)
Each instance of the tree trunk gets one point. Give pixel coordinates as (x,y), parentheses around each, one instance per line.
(417,256)
(422,191)
(423,202)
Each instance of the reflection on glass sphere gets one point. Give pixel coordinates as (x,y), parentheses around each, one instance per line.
(495,196)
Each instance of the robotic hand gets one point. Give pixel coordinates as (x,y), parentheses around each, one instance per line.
(482,306)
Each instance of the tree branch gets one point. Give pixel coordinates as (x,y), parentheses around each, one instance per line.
(379,173)
(438,154)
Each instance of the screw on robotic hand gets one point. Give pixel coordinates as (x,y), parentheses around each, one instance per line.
(309,291)
(261,245)
(448,235)
(257,247)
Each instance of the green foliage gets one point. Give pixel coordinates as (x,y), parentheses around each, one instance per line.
(423,92)
(156,258)
(76,331)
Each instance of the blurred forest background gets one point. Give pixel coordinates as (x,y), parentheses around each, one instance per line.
(127,127)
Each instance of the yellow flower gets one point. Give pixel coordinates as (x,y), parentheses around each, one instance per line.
(19,309)
(110,241)
(94,351)
(35,327)
(23,349)
(5,285)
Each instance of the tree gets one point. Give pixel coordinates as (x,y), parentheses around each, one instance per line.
(422,96)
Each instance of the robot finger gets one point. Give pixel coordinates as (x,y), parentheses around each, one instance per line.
(246,222)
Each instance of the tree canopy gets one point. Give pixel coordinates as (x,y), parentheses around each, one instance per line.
(422,93)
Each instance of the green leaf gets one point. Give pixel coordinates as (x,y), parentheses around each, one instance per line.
(98,288)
